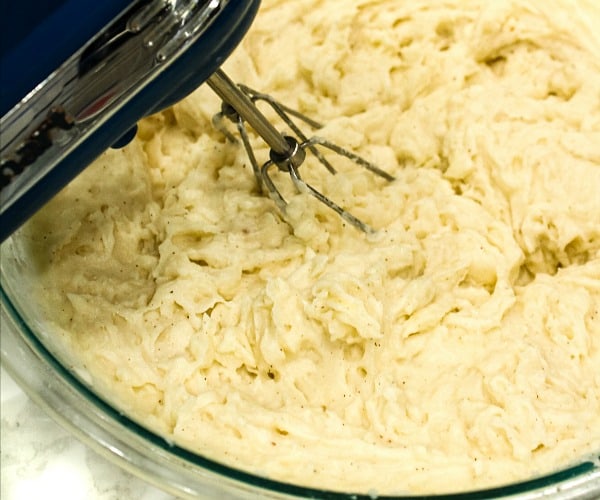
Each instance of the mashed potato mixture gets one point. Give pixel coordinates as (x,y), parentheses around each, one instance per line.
(458,347)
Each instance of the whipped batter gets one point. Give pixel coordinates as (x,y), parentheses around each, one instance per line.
(456,348)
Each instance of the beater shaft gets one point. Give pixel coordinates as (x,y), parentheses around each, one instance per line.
(230,93)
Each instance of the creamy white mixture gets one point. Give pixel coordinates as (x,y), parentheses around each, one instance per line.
(458,347)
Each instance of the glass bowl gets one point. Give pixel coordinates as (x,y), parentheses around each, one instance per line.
(41,369)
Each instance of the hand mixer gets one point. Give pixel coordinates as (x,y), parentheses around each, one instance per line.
(77,76)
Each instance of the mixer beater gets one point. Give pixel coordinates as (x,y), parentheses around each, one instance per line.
(287,153)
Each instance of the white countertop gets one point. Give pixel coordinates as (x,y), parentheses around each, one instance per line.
(39,459)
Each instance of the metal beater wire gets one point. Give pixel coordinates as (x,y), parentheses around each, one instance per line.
(287,152)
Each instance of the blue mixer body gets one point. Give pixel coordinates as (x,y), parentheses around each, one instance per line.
(38,39)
